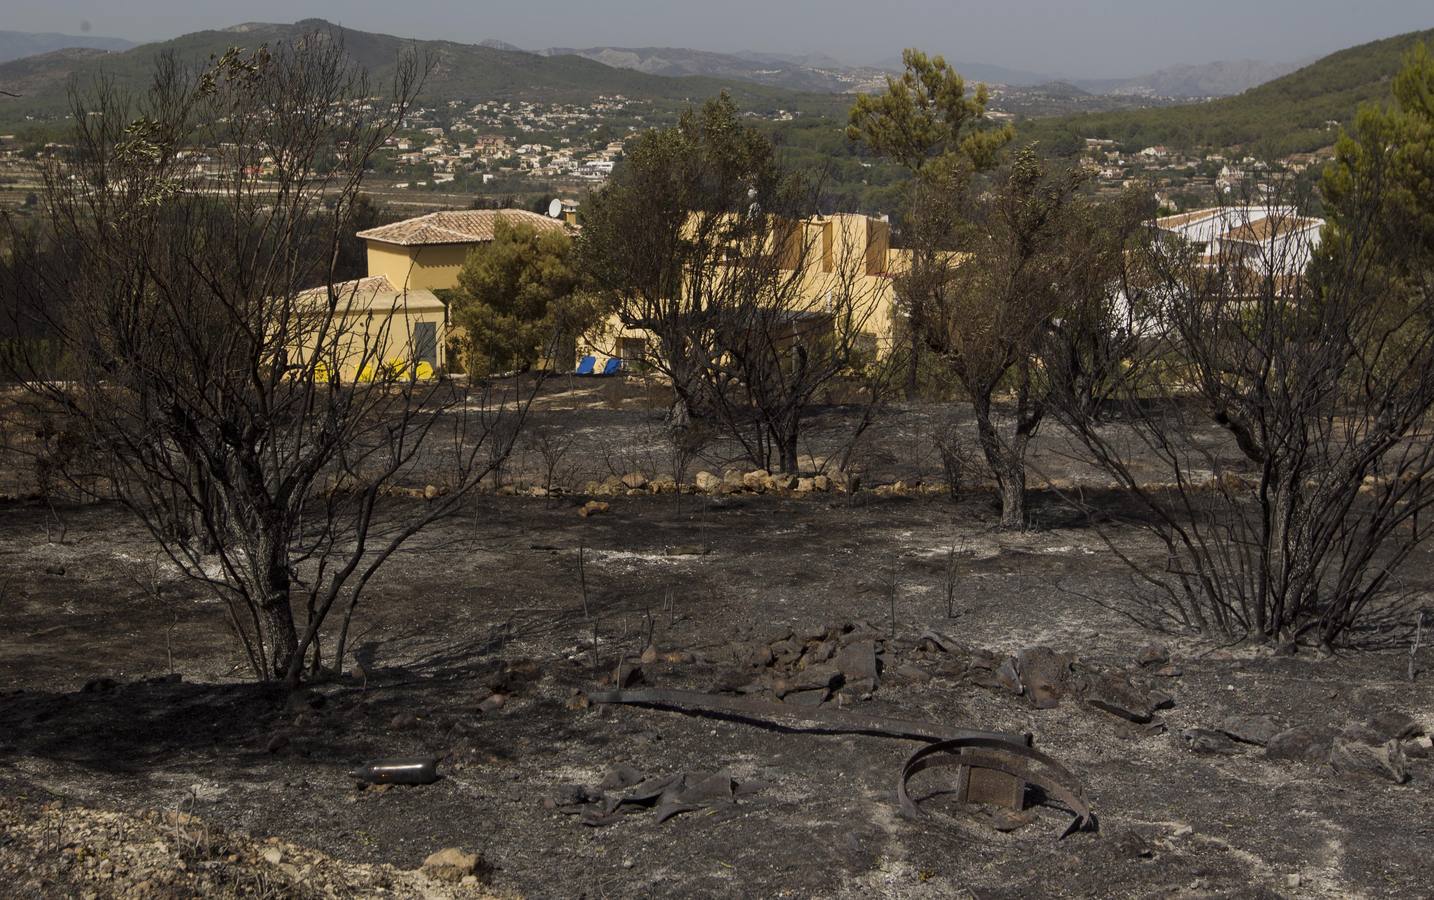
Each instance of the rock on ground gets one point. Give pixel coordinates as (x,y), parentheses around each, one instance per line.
(1044,674)
(1350,754)
(857,663)
(1258,730)
(1117,696)
(1303,743)
(451,864)
(1208,740)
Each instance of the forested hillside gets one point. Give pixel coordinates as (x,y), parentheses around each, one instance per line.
(1299,112)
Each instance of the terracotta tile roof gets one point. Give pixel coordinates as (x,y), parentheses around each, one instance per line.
(363,293)
(1185,218)
(1270,226)
(363,288)
(455,227)
(373,284)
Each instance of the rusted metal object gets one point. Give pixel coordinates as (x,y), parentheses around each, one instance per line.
(982,761)
(994,767)
(978,785)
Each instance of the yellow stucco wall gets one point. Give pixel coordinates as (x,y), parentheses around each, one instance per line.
(388,259)
(842,252)
(396,336)
(852,250)
(849,253)
(422,267)
(364,337)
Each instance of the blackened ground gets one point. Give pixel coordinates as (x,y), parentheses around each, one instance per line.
(492,601)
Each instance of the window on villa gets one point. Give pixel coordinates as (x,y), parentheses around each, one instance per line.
(632,350)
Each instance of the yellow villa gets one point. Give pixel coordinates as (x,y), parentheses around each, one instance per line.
(840,254)
(426,252)
(853,253)
(408,260)
(391,320)
(376,328)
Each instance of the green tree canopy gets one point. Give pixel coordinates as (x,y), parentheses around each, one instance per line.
(516,298)
(926,122)
(1383,172)
(925,115)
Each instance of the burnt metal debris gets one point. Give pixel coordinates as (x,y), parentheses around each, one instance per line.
(405,770)
(993,767)
(983,762)
(625,790)
(823,720)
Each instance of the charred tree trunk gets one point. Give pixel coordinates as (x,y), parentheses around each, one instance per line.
(786,441)
(789,459)
(783,428)
(1011,479)
(1007,461)
(282,637)
(271,589)
(913,364)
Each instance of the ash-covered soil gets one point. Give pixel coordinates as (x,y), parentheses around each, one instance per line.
(490,604)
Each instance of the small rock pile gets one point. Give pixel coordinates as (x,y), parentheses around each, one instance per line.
(813,665)
(809,667)
(1378,748)
(1045,678)
(733,481)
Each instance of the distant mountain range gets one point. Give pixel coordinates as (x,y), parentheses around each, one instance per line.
(811,72)
(1216,79)
(20,44)
(818,72)
(1292,112)
(460,71)
(799,73)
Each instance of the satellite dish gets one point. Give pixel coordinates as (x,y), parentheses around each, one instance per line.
(555,209)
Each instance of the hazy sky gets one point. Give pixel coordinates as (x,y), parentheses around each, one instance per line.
(1093,38)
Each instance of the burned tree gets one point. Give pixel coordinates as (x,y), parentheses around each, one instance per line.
(1318,364)
(797,309)
(1312,349)
(180,310)
(656,238)
(1000,299)
(702,247)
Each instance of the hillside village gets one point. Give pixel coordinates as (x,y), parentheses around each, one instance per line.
(1183,181)
(492,148)
(495,141)
(517,147)
(561,146)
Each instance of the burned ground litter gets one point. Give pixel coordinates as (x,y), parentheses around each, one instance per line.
(1213,770)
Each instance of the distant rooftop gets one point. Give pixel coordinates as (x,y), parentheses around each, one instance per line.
(1185,218)
(1249,223)
(455,227)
